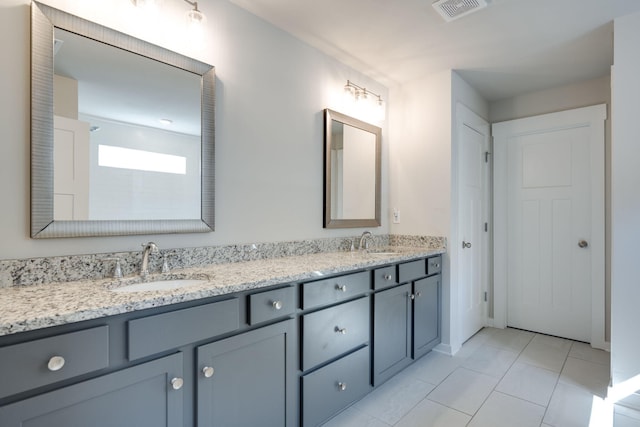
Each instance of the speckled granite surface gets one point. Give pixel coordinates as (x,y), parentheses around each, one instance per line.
(35,271)
(24,308)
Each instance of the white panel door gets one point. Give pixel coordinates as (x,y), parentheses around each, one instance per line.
(71,169)
(549,198)
(471,218)
(549,286)
(470,248)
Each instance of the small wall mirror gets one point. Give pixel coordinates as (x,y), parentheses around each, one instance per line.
(122,133)
(351,172)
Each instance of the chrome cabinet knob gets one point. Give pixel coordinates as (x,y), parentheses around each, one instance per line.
(583,243)
(340,330)
(387,277)
(418,294)
(177,383)
(342,288)
(56,363)
(277,305)
(208,371)
(412,296)
(342,386)
(436,264)
(466,245)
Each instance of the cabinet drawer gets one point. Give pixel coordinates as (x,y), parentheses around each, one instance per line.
(409,271)
(270,305)
(154,334)
(335,386)
(434,265)
(385,277)
(29,365)
(334,331)
(335,289)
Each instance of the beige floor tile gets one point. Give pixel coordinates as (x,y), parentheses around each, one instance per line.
(464,390)
(529,383)
(432,414)
(591,376)
(501,410)
(546,352)
(491,361)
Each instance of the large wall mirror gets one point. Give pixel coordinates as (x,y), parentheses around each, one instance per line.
(351,172)
(122,133)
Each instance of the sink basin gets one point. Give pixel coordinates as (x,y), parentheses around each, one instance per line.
(159,285)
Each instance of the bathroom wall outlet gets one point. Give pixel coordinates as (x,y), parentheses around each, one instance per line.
(396,216)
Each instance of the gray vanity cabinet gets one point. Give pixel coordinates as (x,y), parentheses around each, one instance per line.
(149,394)
(406,318)
(426,315)
(392,330)
(248,379)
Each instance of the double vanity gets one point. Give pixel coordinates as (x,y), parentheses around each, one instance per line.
(287,341)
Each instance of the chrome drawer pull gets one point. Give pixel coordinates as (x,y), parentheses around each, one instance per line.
(435,265)
(277,305)
(342,288)
(177,383)
(208,371)
(387,277)
(342,386)
(340,330)
(56,363)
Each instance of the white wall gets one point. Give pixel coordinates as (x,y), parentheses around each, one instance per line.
(420,158)
(422,185)
(625,269)
(576,95)
(271,90)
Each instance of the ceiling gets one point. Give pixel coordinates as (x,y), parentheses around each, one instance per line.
(118,85)
(508,48)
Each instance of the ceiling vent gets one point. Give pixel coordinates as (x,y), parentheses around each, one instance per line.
(454,9)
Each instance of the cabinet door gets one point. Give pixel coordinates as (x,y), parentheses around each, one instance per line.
(426,315)
(134,397)
(247,380)
(392,332)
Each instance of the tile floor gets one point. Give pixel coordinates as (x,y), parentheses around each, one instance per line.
(500,378)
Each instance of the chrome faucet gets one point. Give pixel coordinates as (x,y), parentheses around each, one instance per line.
(364,240)
(148,248)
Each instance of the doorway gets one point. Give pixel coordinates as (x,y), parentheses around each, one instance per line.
(549,224)
(471,245)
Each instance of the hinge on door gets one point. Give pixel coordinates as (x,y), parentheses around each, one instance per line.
(485,296)
(486,156)
(486,227)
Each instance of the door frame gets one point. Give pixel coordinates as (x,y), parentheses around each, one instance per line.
(593,117)
(464,116)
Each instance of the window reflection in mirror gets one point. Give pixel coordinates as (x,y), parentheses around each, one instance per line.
(352,172)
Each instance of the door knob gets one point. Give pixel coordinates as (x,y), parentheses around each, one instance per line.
(466,245)
(583,243)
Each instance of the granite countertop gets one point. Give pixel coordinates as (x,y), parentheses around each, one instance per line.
(25,308)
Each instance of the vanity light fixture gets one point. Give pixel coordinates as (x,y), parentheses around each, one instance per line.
(195,18)
(363,95)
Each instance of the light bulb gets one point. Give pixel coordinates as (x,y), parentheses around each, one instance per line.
(196,21)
